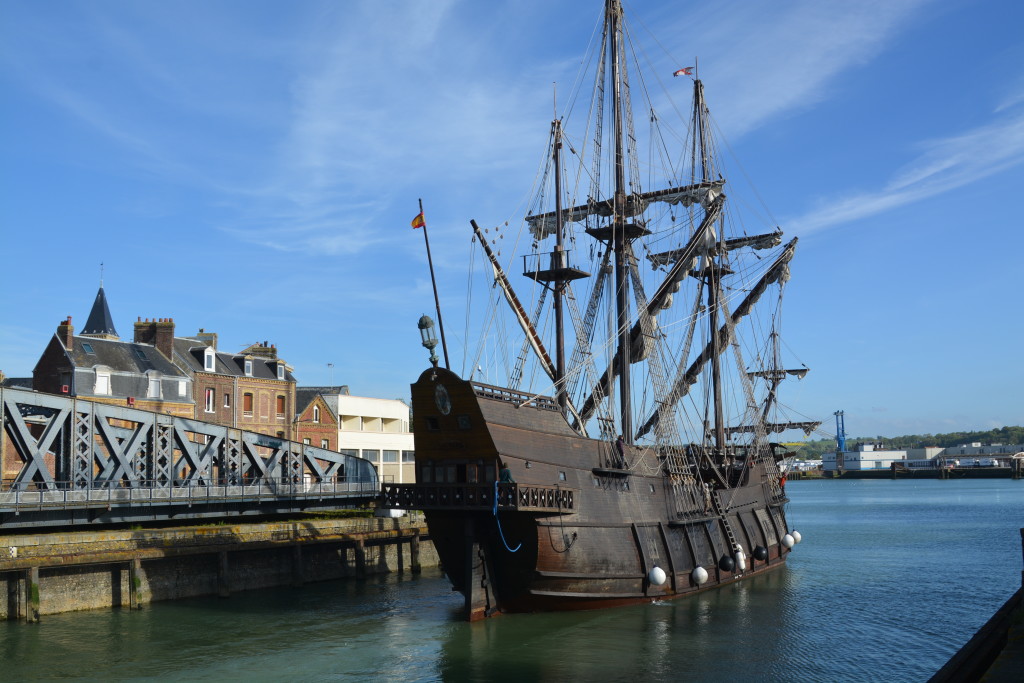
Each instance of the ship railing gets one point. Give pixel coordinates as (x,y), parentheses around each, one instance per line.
(478,497)
(513,396)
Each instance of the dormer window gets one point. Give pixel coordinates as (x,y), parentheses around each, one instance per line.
(153,390)
(208,360)
(280,370)
(88,348)
(248,367)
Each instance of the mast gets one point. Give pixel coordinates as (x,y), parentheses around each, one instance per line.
(559,285)
(713,269)
(614,18)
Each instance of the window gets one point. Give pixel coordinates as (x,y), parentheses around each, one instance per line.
(153,391)
(139,353)
(280,370)
(316,413)
(182,387)
(371,454)
(408,456)
(209,400)
(305,442)
(325,443)
(208,360)
(390,456)
(227,400)
(247,404)
(248,367)
(280,406)
(102,386)
(350,452)
(88,348)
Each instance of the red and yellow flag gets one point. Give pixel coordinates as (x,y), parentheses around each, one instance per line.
(418,222)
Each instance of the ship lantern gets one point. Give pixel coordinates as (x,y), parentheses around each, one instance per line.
(788,541)
(699,575)
(656,576)
(426,326)
(796,536)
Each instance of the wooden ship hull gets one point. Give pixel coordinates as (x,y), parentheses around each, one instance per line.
(580,526)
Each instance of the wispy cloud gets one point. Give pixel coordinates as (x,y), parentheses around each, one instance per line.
(943,166)
(772,59)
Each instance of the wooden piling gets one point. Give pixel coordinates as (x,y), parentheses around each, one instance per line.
(223,574)
(414,553)
(32,595)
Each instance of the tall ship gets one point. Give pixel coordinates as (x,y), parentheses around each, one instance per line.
(625,454)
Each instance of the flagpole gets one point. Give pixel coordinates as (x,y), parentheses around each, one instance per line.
(433,281)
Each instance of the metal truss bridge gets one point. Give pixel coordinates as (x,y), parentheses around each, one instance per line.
(66,461)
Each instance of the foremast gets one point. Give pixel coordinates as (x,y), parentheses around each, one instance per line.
(620,240)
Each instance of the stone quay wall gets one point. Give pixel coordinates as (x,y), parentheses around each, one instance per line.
(50,573)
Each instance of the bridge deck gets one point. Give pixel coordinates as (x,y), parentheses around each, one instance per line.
(66,461)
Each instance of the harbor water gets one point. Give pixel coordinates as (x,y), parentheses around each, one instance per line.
(892,577)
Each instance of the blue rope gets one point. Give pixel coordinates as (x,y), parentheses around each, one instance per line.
(498,521)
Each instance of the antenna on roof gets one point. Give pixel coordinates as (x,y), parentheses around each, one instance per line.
(101,274)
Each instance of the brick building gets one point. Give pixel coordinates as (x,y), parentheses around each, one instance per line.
(97,365)
(252,389)
(316,423)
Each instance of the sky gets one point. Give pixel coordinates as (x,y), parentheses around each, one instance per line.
(252,167)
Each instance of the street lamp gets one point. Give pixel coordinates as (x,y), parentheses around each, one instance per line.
(426,326)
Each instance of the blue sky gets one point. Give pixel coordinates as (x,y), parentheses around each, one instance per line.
(251,168)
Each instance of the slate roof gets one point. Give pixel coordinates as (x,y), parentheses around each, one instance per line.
(99,321)
(306,395)
(191,352)
(120,356)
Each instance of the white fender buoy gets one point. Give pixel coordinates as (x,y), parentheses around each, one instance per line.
(699,575)
(796,535)
(741,559)
(788,541)
(656,576)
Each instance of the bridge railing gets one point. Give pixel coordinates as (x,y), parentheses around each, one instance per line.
(56,444)
(478,497)
(66,497)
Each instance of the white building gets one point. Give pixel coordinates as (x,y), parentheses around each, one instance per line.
(376,429)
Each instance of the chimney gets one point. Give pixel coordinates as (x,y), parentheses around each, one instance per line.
(159,333)
(66,333)
(208,338)
(265,350)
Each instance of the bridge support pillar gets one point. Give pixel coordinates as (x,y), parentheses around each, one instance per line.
(414,553)
(360,559)
(223,575)
(297,574)
(138,590)
(32,595)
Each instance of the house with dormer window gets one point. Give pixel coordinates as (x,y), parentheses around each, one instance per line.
(252,389)
(99,366)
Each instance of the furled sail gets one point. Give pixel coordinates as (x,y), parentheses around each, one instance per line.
(779,271)
(678,271)
(543,224)
(767,241)
(779,375)
(774,427)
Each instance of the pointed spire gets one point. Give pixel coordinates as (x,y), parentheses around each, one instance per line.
(100,324)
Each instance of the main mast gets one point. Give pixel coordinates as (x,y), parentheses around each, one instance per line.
(713,270)
(614,23)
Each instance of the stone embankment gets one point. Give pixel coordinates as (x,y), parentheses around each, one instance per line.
(49,573)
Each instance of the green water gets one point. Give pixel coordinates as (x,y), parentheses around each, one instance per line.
(891,578)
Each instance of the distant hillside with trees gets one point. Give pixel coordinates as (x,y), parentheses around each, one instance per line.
(812,450)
